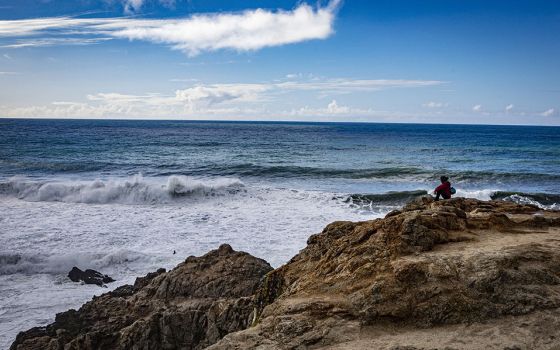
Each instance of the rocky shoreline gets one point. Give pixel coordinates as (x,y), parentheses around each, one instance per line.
(453,274)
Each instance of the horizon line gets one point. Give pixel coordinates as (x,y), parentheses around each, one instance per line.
(272,121)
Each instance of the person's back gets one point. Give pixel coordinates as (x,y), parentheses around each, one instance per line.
(443,190)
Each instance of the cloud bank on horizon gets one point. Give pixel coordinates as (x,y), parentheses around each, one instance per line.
(281,60)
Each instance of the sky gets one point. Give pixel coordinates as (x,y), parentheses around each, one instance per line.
(430,61)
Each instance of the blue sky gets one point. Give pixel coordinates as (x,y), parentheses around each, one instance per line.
(489,62)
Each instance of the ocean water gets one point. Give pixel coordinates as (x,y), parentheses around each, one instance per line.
(128,197)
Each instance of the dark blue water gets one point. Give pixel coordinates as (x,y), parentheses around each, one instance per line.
(352,157)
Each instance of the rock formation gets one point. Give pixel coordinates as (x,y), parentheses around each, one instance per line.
(89,277)
(453,274)
(189,307)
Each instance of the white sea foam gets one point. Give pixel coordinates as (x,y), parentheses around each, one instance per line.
(134,190)
(517,198)
(484,194)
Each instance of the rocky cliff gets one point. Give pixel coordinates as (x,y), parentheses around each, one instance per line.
(454,274)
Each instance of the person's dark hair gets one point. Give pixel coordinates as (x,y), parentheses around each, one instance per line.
(444,178)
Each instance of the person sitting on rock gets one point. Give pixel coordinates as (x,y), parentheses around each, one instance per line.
(443,190)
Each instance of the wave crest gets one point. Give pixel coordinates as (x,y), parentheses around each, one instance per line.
(134,190)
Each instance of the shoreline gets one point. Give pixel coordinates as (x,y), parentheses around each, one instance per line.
(394,273)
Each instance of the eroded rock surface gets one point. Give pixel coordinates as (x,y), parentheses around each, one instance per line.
(453,274)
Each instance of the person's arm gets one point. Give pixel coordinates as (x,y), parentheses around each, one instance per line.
(439,188)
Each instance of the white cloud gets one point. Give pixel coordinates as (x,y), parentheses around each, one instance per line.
(549,112)
(432,104)
(477,108)
(196,98)
(245,31)
(8,73)
(6,56)
(207,96)
(334,108)
(509,108)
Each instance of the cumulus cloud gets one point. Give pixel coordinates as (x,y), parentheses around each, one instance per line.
(244,31)
(549,112)
(334,108)
(477,108)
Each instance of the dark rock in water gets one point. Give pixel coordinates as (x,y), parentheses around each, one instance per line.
(89,276)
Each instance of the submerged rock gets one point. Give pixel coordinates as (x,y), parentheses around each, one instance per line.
(455,274)
(89,276)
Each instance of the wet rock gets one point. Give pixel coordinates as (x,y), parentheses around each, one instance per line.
(89,277)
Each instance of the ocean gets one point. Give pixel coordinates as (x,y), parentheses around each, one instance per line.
(128,197)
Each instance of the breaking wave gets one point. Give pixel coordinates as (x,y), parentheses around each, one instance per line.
(134,190)
(541,200)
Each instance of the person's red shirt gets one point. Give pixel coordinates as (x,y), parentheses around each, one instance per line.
(445,188)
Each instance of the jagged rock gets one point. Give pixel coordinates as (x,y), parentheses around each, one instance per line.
(89,276)
(452,274)
(189,307)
